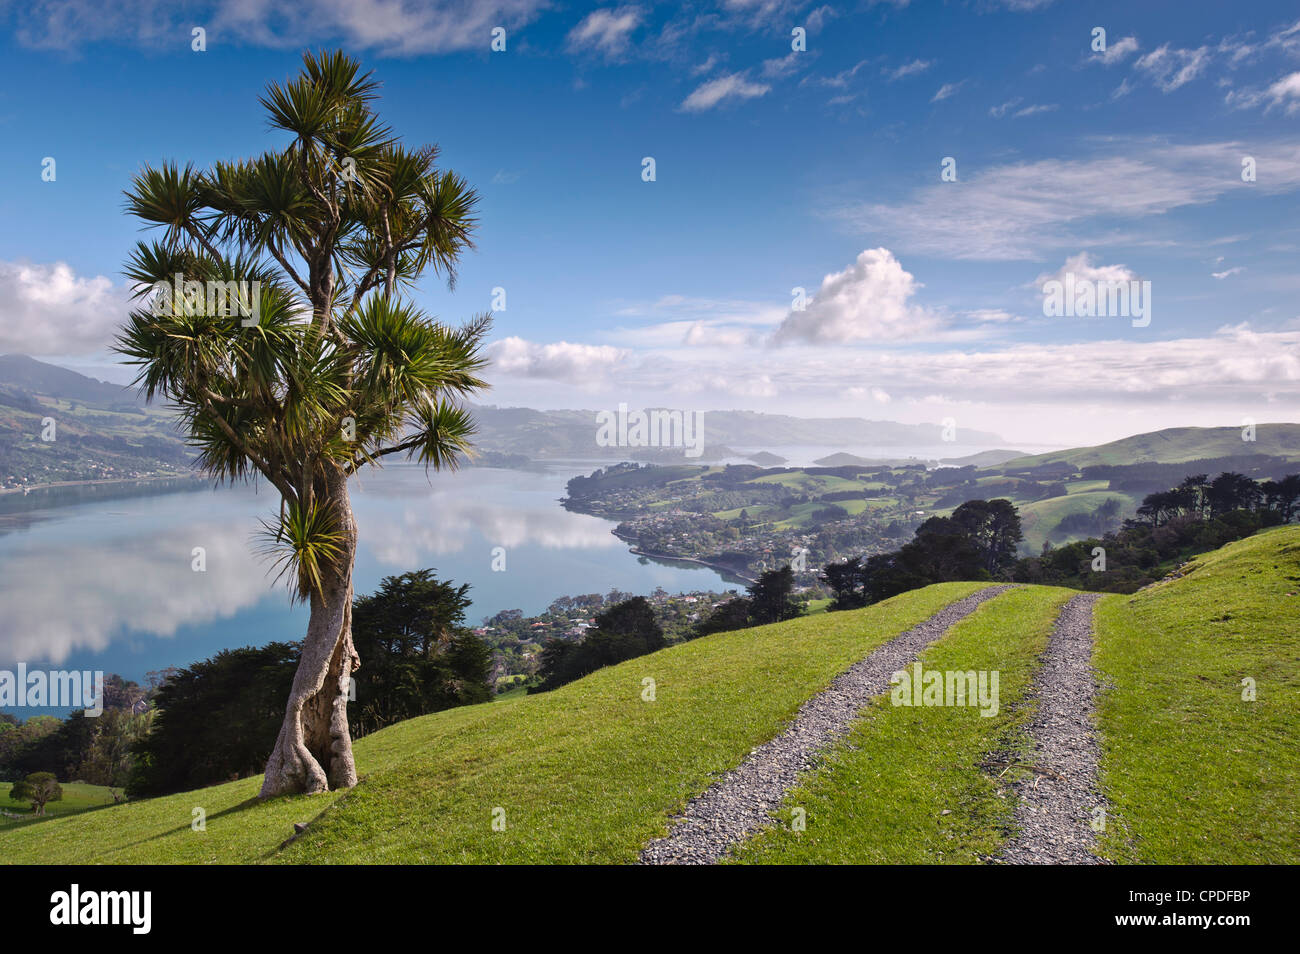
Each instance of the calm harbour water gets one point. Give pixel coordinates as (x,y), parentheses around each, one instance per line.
(108,584)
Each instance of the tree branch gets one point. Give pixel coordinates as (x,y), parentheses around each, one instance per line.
(409,444)
(232,435)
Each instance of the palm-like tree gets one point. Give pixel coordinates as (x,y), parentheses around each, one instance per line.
(322,368)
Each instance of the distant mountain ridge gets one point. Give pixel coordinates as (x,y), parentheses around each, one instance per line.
(20,372)
(572,433)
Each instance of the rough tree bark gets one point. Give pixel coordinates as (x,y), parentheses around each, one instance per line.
(313,752)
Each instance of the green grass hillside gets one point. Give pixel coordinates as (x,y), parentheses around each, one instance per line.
(593,771)
(1176,445)
(589,772)
(1195,772)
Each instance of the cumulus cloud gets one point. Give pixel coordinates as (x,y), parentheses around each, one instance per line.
(50,310)
(868,301)
(1083,270)
(721,89)
(1228,273)
(562,360)
(607,32)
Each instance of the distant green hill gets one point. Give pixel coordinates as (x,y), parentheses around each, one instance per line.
(101,431)
(1176,445)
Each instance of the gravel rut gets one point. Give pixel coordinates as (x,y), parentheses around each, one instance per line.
(739,804)
(1058,803)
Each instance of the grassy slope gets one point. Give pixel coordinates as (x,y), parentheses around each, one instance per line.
(586,773)
(77,797)
(880,796)
(1177,444)
(590,772)
(1193,772)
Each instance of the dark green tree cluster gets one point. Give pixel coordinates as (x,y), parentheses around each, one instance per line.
(624,631)
(769,599)
(978,542)
(1172,526)
(419,656)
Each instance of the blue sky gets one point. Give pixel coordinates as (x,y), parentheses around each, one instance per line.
(775,169)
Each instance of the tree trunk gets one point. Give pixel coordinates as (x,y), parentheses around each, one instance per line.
(314,750)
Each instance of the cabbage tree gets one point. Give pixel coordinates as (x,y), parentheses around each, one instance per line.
(273,312)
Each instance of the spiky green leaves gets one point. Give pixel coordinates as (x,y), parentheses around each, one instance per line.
(303,545)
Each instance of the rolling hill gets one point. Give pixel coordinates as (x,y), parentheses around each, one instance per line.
(592,771)
(1175,445)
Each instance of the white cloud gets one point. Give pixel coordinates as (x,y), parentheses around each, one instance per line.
(1171,68)
(581,364)
(1036,109)
(715,91)
(1081,267)
(50,310)
(858,393)
(997,112)
(841,79)
(1022,210)
(907,69)
(987,316)
(947,90)
(773,69)
(607,32)
(396,27)
(706,66)
(816,19)
(868,301)
(1287,90)
(1228,273)
(1284,93)
(1116,51)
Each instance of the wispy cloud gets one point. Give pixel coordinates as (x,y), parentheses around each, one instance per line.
(607,32)
(1021,210)
(1171,68)
(907,69)
(1114,52)
(719,90)
(947,90)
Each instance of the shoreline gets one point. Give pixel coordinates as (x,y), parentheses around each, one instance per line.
(716,567)
(59,484)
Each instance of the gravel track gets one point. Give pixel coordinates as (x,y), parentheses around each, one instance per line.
(1056,806)
(739,804)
